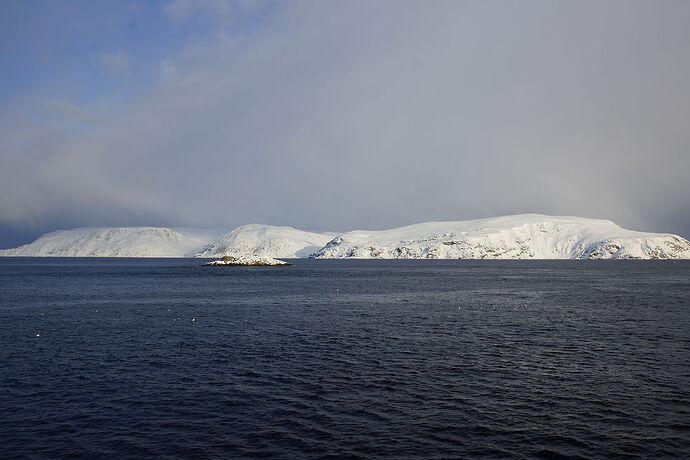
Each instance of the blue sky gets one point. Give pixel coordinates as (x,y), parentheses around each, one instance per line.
(341,115)
(81,52)
(56,47)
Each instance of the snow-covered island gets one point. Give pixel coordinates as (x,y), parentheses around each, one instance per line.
(117,242)
(268,241)
(246,261)
(524,236)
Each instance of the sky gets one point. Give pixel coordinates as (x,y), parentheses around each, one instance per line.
(333,116)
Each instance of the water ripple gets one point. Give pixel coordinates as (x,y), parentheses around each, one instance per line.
(349,359)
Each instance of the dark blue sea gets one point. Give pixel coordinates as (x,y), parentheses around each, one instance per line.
(136,358)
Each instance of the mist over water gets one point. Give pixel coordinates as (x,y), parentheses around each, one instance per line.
(133,358)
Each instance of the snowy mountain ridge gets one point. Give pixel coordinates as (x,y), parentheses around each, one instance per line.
(525,236)
(116,242)
(266,241)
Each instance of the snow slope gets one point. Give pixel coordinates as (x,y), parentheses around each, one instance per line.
(526,236)
(266,241)
(116,242)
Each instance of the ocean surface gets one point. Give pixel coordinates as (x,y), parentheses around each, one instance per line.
(135,358)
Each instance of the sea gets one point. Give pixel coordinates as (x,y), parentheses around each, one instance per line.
(163,358)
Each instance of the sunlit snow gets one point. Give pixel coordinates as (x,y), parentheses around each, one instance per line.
(525,236)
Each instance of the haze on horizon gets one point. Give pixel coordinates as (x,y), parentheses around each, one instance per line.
(341,115)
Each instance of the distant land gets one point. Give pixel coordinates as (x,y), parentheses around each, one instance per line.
(524,236)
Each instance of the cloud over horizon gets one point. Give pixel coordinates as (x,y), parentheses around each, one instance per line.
(334,116)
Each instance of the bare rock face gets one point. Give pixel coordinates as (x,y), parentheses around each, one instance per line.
(246,261)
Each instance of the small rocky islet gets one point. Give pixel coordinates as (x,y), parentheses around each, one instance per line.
(246,261)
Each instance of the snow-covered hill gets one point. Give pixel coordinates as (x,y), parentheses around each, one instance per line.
(266,241)
(116,242)
(527,236)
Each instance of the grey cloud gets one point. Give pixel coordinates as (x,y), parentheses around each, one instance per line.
(335,116)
